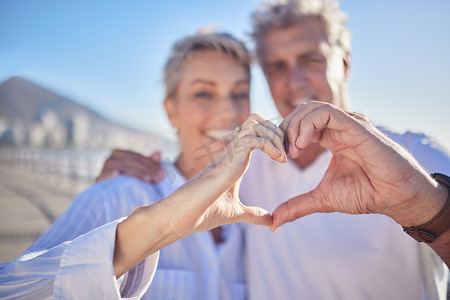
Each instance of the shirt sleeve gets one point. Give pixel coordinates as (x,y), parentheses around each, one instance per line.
(86,212)
(427,151)
(77,269)
(431,155)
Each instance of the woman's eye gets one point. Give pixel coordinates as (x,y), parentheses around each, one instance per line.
(203,95)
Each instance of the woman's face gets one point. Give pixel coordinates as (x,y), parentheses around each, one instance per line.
(211,100)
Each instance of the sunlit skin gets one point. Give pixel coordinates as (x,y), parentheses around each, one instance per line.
(211,100)
(300,65)
(369,173)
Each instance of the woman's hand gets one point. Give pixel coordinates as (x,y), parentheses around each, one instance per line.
(214,193)
(209,200)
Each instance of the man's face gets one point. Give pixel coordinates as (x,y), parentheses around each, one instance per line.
(300,65)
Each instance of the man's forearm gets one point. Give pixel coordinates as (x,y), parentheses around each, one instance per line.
(432,210)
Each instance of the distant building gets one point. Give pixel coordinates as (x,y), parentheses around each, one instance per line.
(78,131)
(18,133)
(36,135)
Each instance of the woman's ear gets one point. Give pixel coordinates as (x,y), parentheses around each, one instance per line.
(348,65)
(171,111)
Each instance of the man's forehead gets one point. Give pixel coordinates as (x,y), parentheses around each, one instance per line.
(306,30)
(306,35)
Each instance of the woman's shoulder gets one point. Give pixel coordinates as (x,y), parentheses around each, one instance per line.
(131,186)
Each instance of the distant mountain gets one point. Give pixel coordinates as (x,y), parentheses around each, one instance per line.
(31,115)
(27,101)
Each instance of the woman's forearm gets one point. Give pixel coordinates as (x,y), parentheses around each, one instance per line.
(143,233)
(208,200)
(151,228)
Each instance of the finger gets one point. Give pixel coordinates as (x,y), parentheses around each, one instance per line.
(265,145)
(117,167)
(266,123)
(107,175)
(107,171)
(130,166)
(255,215)
(134,163)
(155,157)
(261,131)
(143,176)
(315,121)
(128,156)
(265,130)
(293,209)
(291,124)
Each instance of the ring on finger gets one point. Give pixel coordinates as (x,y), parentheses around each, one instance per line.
(236,130)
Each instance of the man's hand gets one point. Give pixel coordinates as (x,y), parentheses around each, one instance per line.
(132,164)
(369,173)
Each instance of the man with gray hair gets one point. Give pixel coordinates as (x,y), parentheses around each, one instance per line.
(303,48)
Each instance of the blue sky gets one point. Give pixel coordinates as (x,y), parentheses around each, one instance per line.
(109,55)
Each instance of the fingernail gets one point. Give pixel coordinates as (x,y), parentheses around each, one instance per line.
(290,149)
(278,151)
(297,142)
(284,157)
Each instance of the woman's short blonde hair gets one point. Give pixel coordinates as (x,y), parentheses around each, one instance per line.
(285,13)
(190,45)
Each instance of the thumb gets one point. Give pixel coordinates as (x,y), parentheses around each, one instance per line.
(107,175)
(155,157)
(293,209)
(255,215)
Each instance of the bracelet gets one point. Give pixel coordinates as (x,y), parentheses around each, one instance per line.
(431,230)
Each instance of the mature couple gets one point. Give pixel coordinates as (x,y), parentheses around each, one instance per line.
(320,159)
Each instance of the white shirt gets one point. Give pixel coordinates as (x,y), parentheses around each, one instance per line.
(59,265)
(336,256)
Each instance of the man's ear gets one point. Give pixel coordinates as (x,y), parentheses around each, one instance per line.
(347,65)
(171,110)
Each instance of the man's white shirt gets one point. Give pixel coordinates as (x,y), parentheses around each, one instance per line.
(322,256)
(336,256)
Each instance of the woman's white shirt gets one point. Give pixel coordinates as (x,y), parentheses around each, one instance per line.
(72,262)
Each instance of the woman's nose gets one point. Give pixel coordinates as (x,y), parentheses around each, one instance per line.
(227,109)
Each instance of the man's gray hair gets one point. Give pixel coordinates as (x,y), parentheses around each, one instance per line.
(285,13)
(190,45)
